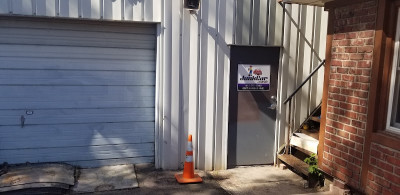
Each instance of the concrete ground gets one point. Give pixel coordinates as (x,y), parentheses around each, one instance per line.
(241,180)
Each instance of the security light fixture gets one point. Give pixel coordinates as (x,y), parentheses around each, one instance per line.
(192,5)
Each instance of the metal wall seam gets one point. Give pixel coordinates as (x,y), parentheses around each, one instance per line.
(167,61)
(176,95)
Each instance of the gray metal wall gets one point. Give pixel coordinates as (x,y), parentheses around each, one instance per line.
(193,62)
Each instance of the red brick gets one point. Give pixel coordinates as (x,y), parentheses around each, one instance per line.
(372,161)
(349,63)
(360,109)
(333,103)
(382,182)
(364,64)
(353,100)
(357,139)
(370,18)
(350,49)
(327,155)
(384,150)
(374,186)
(348,77)
(350,129)
(397,171)
(351,35)
(356,57)
(337,97)
(343,70)
(335,43)
(385,166)
(343,134)
(365,49)
(371,3)
(357,161)
(349,143)
(366,72)
(336,76)
(346,156)
(339,161)
(377,171)
(340,175)
(389,176)
(354,85)
(359,147)
(336,63)
(363,102)
(355,153)
(339,36)
(330,143)
(366,34)
(345,171)
(369,41)
(345,105)
(355,71)
(358,124)
(364,79)
(376,154)
(335,152)
(345,42)
(395,189)
(361,132)
(334,89)
(361,94)
(337,125)
(393,160)
(367,56)
(355,42)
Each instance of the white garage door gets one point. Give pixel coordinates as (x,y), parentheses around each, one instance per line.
(76,92)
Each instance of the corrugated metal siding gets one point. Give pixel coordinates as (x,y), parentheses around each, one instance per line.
(304,48)
(129,10)
(90,89)
(193,61)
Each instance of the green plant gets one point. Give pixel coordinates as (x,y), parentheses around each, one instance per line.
(312,162)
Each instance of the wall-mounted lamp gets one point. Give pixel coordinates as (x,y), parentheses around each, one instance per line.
(192,5)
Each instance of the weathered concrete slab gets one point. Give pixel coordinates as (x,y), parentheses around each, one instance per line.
(260,180)
(106,178)
(37,176)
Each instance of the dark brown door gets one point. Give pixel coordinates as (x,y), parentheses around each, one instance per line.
(252,107)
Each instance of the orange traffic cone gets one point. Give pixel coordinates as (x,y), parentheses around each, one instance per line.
(188,175)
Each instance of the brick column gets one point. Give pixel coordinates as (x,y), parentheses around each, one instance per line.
(348,91)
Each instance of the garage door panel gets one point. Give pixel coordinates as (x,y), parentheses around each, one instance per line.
(67,25)
(78,92)
(109,129)
(74,116)
(56,37)
(78,153)
(48,97)
(80,78)
(29,105)
(73,141)
(55,52)
(15,63)
(101,162)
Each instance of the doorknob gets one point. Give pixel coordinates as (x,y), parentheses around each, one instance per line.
(272,106)
(274,103)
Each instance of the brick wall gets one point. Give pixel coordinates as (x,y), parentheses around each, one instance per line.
(349,82)
(384,171)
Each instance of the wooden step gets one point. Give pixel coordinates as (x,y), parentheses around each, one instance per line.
(304,141)
(315,119)
(295,163)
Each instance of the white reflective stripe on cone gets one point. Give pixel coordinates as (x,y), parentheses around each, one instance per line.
(189,147)
(189,158)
